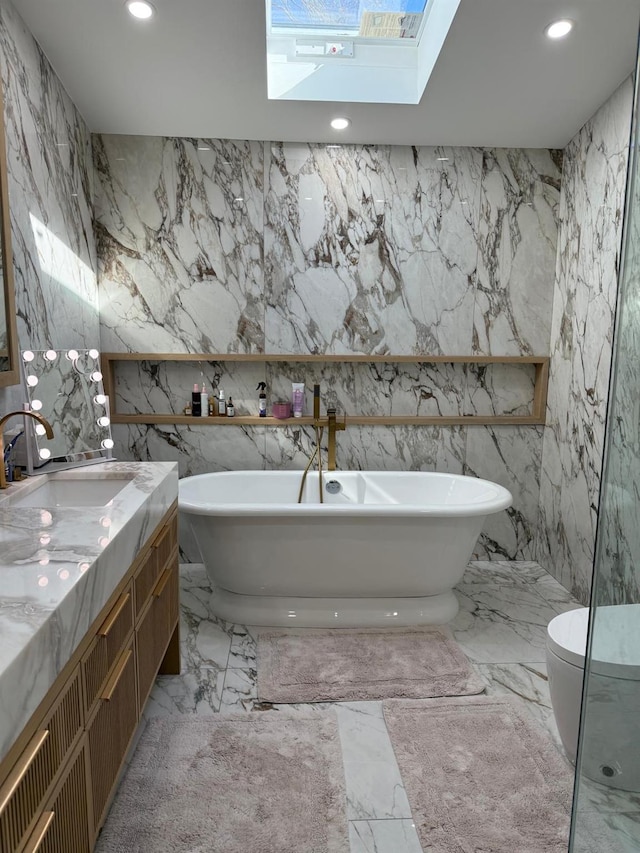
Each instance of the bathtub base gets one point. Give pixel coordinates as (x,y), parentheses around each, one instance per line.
(284,611)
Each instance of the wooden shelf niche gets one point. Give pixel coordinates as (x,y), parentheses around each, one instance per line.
(535,418)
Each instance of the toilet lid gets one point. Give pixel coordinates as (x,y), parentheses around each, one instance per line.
(616,644)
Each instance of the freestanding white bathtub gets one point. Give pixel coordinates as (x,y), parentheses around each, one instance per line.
(386,549)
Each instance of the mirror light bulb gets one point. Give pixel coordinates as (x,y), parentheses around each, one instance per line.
(107,443)
(104,421)
(51,355)
(40,430)
(36,405)
(100,399)
(96,376)
(27,355)
(45,453)
(73,355)
(93,353)
(32,381)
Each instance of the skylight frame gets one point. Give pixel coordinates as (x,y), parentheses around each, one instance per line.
(368,70)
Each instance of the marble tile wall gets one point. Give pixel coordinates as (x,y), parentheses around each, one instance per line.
(618,577)
(209,245)
(591,214)
(50,197)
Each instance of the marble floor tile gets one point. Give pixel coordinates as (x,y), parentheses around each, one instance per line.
(384,836)
(190,693)
(243,647)
(240,691)
(363,732)
(500,623)
(525,573)
(607,833)
(595,797)
(375,791)
(203,644)
(556,595)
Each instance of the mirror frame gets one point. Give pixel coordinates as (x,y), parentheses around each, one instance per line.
(12,375)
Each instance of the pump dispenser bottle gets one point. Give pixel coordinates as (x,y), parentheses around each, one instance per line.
(204,402)
(222,404)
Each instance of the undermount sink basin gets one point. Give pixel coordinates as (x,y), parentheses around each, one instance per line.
(76,492)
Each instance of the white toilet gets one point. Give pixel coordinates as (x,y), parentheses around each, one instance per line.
(612,752)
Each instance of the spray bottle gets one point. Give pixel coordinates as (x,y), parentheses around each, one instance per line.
(262,399)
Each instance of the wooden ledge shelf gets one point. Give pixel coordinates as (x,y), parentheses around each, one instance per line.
(536,418)
(328,359)
(356,420)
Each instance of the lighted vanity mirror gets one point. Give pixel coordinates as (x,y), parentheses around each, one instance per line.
(65,387)
(9,361)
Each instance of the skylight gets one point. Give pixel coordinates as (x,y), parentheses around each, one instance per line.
(371,51)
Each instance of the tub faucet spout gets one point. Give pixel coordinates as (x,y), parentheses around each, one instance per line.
(45,423)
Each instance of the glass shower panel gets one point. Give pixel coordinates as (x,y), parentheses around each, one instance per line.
(606,814)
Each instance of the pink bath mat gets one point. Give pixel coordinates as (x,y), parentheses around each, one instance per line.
(353,664)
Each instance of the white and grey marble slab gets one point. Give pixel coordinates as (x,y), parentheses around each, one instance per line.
(590,222)
(58,568)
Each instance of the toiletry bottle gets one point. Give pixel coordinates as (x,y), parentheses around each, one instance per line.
(204,402)
(262,399)
(297,399)
(222,406)
(213,408)
(230,409)
(195,401)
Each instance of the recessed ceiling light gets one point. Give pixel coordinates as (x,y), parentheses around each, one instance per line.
(140,8)
(559,29)
(340,123)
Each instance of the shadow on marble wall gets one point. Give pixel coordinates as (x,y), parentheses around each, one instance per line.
(50,174)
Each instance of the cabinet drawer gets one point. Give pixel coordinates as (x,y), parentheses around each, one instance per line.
(109,642)
(64,825)
(155,629)
(147,575)
(24,792)
(111,730)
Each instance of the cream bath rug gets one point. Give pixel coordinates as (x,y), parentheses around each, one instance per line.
(352,664)
(260,782)
(480,776)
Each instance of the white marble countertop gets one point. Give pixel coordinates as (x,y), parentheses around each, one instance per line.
(58,568)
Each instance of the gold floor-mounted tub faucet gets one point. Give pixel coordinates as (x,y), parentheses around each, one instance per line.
(319,424)
(45,423)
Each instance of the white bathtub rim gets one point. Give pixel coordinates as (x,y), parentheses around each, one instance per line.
(500,500)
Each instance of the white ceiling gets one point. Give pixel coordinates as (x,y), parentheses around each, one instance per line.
(198,69)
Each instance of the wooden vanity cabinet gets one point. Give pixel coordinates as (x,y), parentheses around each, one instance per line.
(57,781)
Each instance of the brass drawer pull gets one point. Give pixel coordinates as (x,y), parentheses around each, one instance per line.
(22,767)
(112,618)
(39,832)
(115,678)
(162,582)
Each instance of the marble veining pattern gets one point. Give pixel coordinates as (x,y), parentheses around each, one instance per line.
(505,607)
(50,199)
(591,212)
(366,249)
(179,228)
(58,568)
(618,576)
